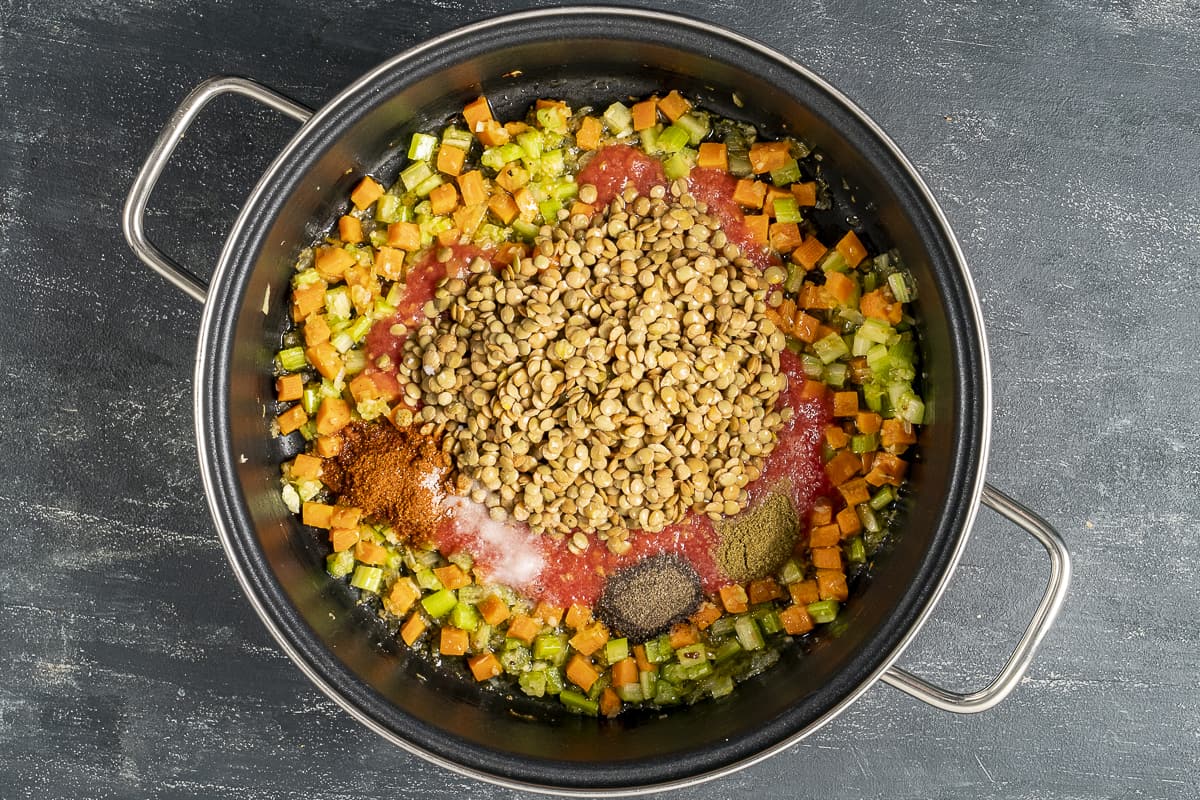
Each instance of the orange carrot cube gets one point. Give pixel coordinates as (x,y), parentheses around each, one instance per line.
(370,553)
(645,114)
(454,641)
(524,628)
(625,672)
(493,610)
(750,193)
(845,404)
(809,252)
(804,592)
(367,192)
(292,419)
(674,105)
(796,620)
(822,512)
(401,596)
(318,515)
(503,206)
(855,491)
(345,517)
(332,415)
(307,300)
(306,467)
(824,535)
(551,615)
(706,615)
(581,672)
(289,387)
(578,616)
(472,187)
(332,262)
(852,249)
(784,236)
(867,422)
(484,666)
(763,590)
(682,634)
(827,557)
(450,159)
(758,225)
(350,229)
(588,135)
(848,522)
(452,576)
(734,598)
(766,156)
(805,193)
(842,467)
(492,134)
(590,639)
(713,155)
(316,330)
(412,628)
(610,702)
(831,585)
(443,199)
(476,113)
(840,286)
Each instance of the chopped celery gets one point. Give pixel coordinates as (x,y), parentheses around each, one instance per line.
(616,650)
(692,653)
(719,685)
(665,693)
(864,442)
(739,164)
(835,374)
(367,578)
(579,703)
(524,230)
(793,344)
(856,552)
(549,647)
(696,124)
(551,119)
(631,693)
(426,186)
(472,593)
(421,146)
(355,362)
(648,681)
(465,617)
(457,137)
(722,627)
(440,603)
(659,651)
(788,173)
(532,142)
(673,138)
(339,565)
(727,649)
(795,277)
(790,572)
(515,658)
(649,138)
(311,400)
(899,287)
(876,330)
(549,210)
(342,341)
(910,408)
(414,174)
(427,580)
(768,620)
(748,634)
(823,610)
(553,163)
(787,210)
(387,209)
(533,682)
(833,261)
(619,119)
(338,303)
(292,359)
(880,499)
(813,367)
(359,328)
(680,164)
(830,348)
(554,680)
(565,189)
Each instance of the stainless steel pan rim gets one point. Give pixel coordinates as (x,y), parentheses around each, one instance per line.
(885,670)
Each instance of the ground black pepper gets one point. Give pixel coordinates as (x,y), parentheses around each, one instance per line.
(643,600)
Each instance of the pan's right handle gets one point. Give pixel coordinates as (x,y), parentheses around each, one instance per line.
(133,216)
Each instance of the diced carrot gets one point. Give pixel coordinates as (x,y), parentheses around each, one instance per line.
(805,193)
(367,192)
(289,387)
(292,419)
(824,536)
(766,156)
(840,286)
(805,327)
(787,308)
(809,252)
(855,491)
(750,193)
(452,576)
(492,609)
(763,590)
(343,538)
(822,512)
(880,305)
(867,422)
(813,390)
(674,105)
(454,641)
(610,702)
(307,300)
(588,135)
(346,516)
(578,616)
(813,296)
(318,515)
(758,225)
(472,187)
(590,639)
(784,236)
(350,229)
(448,237)
(389,261)
(515,127)
(493,134)
(682,634)
(370,553)
(845,404)
(582,208)
(643,664)
(796,620)
(484,666)
(706,615)
(894,433)
(827,557)
(581,672)
(886,468)
(450,159)
(468,218)
(476,113)
(507,253)
(734,598)
(804,592)
(625,672)
(868,458)
(551,615)
(306,467)
(332,415)
(512,176)
(362,388)
(401,596)
(524,627)
(404,235)
(713,155)
(503,206)
(443,199)
(831,584)
(848,522)
(527,204)
(645,114)
(316,330)
(773,193)
(332,262)
(842,467)
(412,628)
(852,249)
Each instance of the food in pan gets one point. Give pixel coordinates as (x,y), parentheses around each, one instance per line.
(596,403)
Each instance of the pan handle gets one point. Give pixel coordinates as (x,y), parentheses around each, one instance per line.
(1043,618)
(134,213)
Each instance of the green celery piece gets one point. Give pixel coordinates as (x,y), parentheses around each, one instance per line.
(823,610)
(795,278)
(868,518)
(727,649)
(367,578)
(790,572)
(292,359)
(694,672)
(748,634)
(788,173)
(532,142)
(616,650)
(516,658)
(696,124)
(787,210)
(421,146)
(900,287)
(722,627)
(679,165)
(880,499)
(339,565)
(864,442)
(465,617)
(619,118)
(719,685)
(692,653)
(415,174)
(649,139)
(830,348)
(833,261)
(631,693)
(311,399)
(533,682)
(673,138)
(579,703)
(555,682)
(426,186)
(387,209)
(550,647)
(856,552)
(659,651)
(674,673)
(457,137)
(427,580)
(440,603)
(665,693)
(835,374)
(648,681)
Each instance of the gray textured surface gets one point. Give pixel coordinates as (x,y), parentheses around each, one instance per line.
(1061,140)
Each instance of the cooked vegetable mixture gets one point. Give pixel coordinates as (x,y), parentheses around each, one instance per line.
(592,405)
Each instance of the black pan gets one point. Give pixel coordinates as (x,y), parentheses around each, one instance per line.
(582,55)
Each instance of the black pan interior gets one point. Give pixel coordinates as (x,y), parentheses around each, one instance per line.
(582,57)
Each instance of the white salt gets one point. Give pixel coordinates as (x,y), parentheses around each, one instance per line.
(506,551)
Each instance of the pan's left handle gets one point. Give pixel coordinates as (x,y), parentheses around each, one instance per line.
(133,216)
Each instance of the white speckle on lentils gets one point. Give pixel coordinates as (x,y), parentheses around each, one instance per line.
(620,376)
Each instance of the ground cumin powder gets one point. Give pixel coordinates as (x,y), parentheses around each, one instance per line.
(757,541)
(392,474)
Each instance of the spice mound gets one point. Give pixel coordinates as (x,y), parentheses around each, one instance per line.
(394,475)
(621,376)
(645,599)
(758,541)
